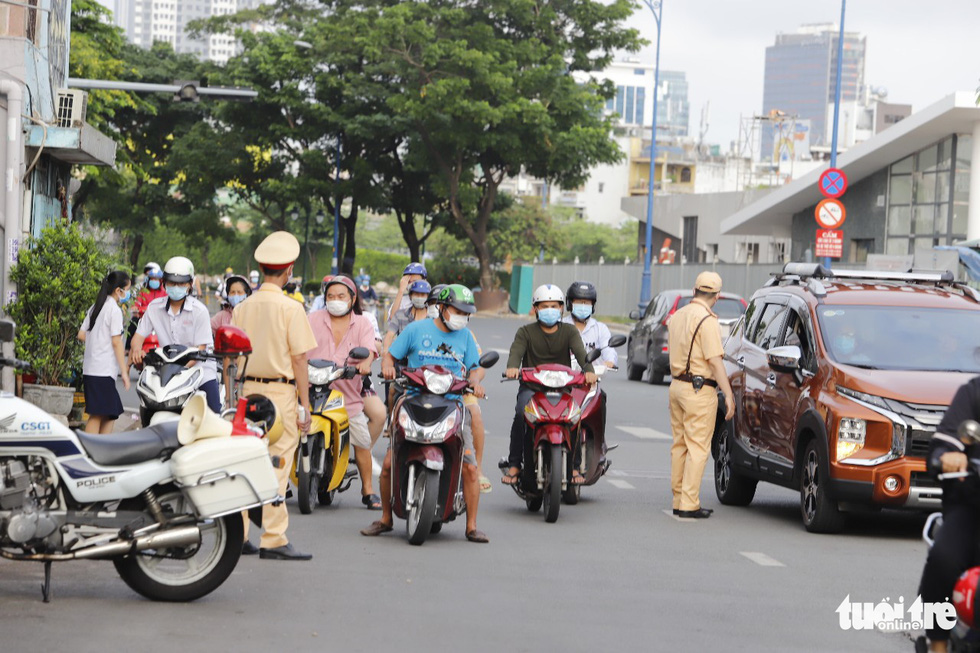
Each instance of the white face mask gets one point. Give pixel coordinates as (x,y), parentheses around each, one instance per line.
(338,308)
(418,301)
(433,312)
(457,322)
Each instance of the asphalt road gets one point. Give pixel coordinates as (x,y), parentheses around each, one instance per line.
(614,573)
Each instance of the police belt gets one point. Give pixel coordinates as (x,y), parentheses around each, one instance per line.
(689,378)
(280,379)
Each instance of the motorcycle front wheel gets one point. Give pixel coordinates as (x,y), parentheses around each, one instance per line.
(186,573)
(552,489)
(308,483)
(423,511)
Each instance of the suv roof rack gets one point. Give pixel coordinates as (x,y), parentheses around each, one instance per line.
(816,271)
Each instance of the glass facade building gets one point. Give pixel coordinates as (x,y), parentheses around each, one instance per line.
(673,109)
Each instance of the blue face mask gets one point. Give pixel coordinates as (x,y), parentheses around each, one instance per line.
(549,316)
(235,300)
(176,293)
(154,284)
(581,312)
(125,298)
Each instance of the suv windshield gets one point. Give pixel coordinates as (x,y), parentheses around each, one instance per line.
(724,308)
(899,338)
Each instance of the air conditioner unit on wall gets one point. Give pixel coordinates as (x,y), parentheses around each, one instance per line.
(72,105)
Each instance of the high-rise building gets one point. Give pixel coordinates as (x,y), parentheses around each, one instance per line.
(148,21)
(634,83)
(801,75)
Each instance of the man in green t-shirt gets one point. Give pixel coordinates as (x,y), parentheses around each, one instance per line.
(546,341)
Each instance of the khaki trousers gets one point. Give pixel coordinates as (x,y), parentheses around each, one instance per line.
(692,419)
(275,519)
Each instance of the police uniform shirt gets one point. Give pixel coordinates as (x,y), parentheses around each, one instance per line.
(190,326)
(278,328)
(706,343)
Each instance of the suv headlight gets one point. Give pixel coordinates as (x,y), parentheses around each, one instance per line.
(851,433)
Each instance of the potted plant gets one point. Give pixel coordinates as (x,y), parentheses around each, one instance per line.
(58,276)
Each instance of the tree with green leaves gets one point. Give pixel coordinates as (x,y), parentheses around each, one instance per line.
(495,87)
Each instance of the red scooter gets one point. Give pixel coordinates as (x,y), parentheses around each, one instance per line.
(427,447)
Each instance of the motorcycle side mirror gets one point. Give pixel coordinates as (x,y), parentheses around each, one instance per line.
(489,359)
(969,431)
(359,353)
(593,355)
(7,329)
(617,340)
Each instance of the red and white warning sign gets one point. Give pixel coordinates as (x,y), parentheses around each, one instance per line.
(830,214)
(830,243)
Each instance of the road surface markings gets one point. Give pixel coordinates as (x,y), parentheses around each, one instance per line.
(622,485)
(761,559)
(638,473)
(644,433)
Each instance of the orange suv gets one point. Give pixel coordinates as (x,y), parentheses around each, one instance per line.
(840,378)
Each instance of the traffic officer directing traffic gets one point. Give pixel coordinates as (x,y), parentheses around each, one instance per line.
(694,343)
(281,337)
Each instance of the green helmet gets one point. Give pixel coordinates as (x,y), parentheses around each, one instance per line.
(458,296)
(434,294)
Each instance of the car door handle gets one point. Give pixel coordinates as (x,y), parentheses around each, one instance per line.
(771,379)
(740,361)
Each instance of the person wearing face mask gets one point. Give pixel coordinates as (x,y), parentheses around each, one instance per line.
(152,289)
(104,359)
(337,330)
(418,295)
(846,349)
(547,340)
(253,278)
(236,290)
(179,319)
(418,345)
(413,272)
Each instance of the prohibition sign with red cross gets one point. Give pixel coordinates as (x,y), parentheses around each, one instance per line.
(833,182)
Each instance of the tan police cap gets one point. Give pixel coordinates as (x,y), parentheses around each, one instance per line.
(279,250)
(708,282)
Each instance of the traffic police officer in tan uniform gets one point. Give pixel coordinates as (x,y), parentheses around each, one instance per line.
(697,370)
(281,337)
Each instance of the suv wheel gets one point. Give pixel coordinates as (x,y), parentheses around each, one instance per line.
(653,376)
(732,488)
(633,372)
(820,513)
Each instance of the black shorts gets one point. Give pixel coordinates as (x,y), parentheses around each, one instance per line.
(101,397)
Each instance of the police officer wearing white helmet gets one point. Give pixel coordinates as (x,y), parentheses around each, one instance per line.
(547,340)
(179,319)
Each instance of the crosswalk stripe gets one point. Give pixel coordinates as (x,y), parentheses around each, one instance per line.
(622,485)
(761,559)
(644,433)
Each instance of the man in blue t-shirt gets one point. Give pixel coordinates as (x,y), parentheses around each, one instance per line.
(420,344)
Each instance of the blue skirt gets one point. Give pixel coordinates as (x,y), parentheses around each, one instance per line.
(101,397)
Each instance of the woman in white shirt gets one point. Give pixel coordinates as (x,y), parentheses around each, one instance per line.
(102,333)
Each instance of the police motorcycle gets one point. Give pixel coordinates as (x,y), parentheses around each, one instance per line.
(553,417)
(965,636)
(590,457)
(426,432)
(162,503)
(321,469)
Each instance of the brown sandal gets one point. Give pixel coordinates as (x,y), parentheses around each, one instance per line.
(477,536)
(377,528)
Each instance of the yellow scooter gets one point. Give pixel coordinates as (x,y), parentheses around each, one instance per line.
(323,455)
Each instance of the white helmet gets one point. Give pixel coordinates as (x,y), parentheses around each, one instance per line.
(178,270)
(547,293)
(151,266)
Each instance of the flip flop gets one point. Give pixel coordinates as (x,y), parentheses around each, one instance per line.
(477,536)
(486,487)
(510,479)
(372,501)
(376,528)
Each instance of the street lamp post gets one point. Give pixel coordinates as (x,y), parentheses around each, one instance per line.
(334,268)
(656,8)
(306,244)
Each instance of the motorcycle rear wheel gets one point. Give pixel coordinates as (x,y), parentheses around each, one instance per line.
(423,511)
(186,577)
(552,489)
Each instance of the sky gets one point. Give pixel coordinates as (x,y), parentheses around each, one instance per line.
(919,51)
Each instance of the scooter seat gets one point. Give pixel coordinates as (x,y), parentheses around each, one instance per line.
(131,447)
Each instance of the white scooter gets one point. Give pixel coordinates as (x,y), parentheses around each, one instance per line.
(166,382)
(163,503)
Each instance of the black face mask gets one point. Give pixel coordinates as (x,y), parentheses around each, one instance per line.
(290,288)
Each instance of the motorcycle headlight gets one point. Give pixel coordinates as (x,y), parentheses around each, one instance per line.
(320,375)
(553,378)
(437,383)
(191,382)
(850,437)
(427,434)
(176,402)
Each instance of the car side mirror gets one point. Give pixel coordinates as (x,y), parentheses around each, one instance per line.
(635,314)
(969,431)
(489,359)
(359,353)
(7,328)
(593,355)
(617,340)
(784,359)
